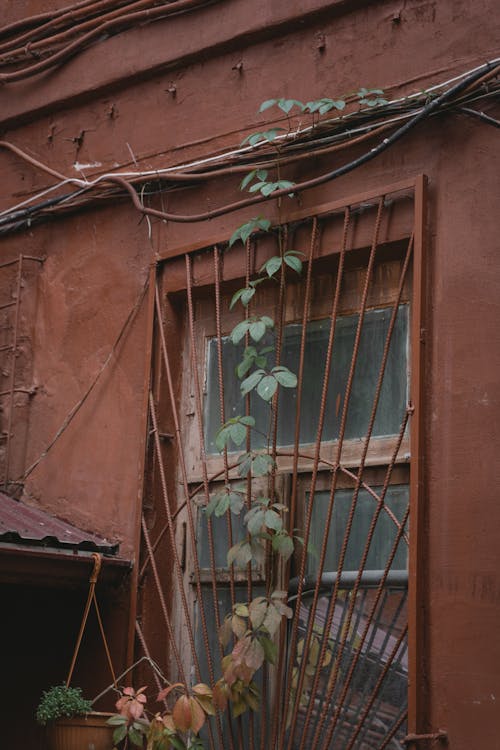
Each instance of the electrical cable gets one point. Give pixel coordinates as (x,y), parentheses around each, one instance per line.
(174,174)
(114,24)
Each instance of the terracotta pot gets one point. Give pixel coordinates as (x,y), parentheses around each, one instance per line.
(89,732)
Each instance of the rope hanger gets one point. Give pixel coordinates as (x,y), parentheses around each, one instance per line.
(92,598)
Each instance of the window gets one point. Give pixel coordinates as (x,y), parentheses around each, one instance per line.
(345,653)
(354,607)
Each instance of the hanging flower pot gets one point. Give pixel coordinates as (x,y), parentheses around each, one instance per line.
(89,732)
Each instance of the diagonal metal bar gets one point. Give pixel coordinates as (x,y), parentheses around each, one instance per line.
(192,532)
(363,663)
(199,420)
(328,735)
(357,487)
(173,546)
(163,604)
(377,687)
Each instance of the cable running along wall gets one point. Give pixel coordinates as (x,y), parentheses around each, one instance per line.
(346,443)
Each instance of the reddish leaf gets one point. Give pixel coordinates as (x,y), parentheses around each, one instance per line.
(182,713)
(198,715)
(162,695)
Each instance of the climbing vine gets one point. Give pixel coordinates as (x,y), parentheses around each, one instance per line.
(248,632)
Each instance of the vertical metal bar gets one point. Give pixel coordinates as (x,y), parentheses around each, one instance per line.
(199,411)
(13,372)
(293,498)
(222,405)
(416,691)
(134,583)
(333,320)
(348,391)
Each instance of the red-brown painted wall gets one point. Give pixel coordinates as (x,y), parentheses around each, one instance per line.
(97,262)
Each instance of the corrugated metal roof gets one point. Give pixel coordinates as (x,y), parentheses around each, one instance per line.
(23,524)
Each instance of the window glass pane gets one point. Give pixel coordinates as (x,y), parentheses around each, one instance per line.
(384,536)
(370,657)
(393,397)
(220,536)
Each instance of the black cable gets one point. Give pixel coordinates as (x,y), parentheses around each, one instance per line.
(425,112)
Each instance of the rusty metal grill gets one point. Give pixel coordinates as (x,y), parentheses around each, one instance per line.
(341,680)
(15,355)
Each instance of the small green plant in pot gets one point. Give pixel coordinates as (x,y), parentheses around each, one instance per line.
(70,722)
(61,702)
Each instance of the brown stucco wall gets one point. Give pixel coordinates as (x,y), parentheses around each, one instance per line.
(97,262)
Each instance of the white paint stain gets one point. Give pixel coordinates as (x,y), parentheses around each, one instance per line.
(80,167)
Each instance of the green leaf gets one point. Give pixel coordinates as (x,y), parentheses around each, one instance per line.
(246,180)
(222,505)
(240,553)
(238,433)
(255,522)
(236,296)
(176,742)
(211,506)
(262,464)
(245,365)
(135,737)
(222,438)
(236,502)
(284,377)
(247,296)
(244,231)
(267,386)
(116,720)
(293,262)
(120,733)
(286,105)
(257,330)
(248,421)
(273,520)
(271,266)
(284,184)
(268,322)
(270,135)
(257,186)
(283,545)
(267,188)
(326,107)
(244,464)
(249,383)
(239,331)
(267,105)
(270,649)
